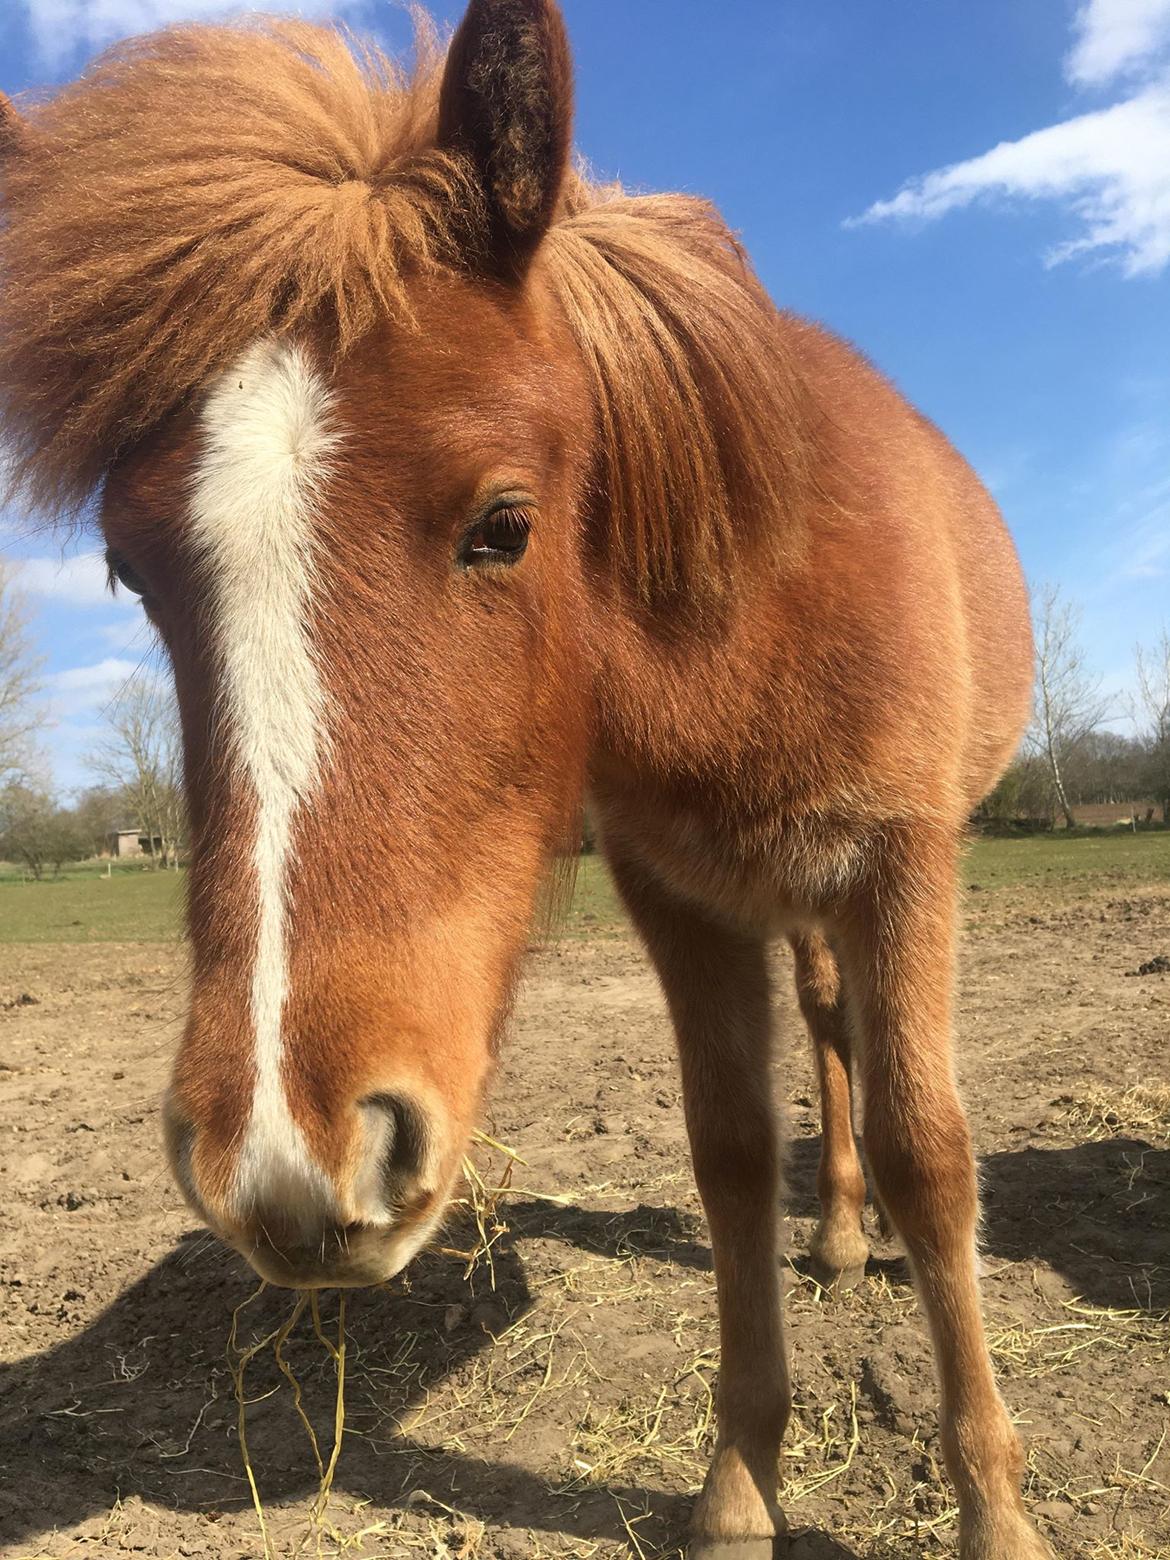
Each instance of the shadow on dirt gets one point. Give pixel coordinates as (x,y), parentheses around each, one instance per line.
(140,1401)
(645,1231)
(1098,1213)
(817,1546)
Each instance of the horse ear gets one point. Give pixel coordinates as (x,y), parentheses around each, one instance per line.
(506,103)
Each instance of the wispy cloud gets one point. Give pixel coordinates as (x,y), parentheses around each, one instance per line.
(1142,546)
(81,678)
(61,27)
(80,581)
(89,689)
(131,632)
(1110,167)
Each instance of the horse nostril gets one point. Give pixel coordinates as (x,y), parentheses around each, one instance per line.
(397,1146)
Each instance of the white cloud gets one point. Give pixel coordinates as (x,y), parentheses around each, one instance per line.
(131,632)
(87,690)
(1117,37)
(113,669)
(1110,168)
(81,580)
(60,27)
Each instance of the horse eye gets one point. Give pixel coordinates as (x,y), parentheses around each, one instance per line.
(500,537)
(125,575)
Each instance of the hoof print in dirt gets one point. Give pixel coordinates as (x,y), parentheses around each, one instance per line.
(25,999)
(894,1383)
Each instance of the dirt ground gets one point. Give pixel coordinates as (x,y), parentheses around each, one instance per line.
(567,1410)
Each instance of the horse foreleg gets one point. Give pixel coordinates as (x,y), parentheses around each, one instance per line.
(838,1249)
(896,946)
(717,987)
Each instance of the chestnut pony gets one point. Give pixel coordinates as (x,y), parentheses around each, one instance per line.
(458,487)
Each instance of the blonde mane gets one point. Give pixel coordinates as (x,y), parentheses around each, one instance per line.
(201,186)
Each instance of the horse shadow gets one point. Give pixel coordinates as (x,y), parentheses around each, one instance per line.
(1097,1212)
(141,1402)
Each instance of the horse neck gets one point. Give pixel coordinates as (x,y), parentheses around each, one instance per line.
(677,693)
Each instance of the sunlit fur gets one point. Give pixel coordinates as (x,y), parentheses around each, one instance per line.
(768,617)
(316,190)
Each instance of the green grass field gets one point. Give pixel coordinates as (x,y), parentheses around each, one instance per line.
(132,905)
(137,905)
(1119,857)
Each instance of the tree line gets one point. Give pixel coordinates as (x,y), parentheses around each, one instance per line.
(136,765)
(1070,757)
(137,768)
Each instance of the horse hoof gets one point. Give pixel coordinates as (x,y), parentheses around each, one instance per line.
(738,1548)
(836,1279)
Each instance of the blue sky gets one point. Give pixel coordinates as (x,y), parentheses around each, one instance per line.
(978,196)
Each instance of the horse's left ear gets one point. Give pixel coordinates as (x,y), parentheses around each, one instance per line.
(506,103)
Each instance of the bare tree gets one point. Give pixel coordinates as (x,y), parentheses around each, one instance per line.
(99,810)
(1069,704)
(20,716)
(37,832)
(1152,711)
(141,757)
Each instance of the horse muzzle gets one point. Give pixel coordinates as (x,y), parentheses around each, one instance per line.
(301,1227)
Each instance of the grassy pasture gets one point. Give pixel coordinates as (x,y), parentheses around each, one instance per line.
(131,905)
(1120,857)
(135,904)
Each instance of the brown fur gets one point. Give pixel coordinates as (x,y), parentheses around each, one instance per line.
(768,614)
(152,232)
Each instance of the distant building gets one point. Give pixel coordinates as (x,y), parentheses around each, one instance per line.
(129,842)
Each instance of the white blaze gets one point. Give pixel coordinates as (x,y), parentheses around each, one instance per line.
(265,453)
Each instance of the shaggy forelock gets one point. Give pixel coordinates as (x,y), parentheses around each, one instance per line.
(202,186)
(194,189)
